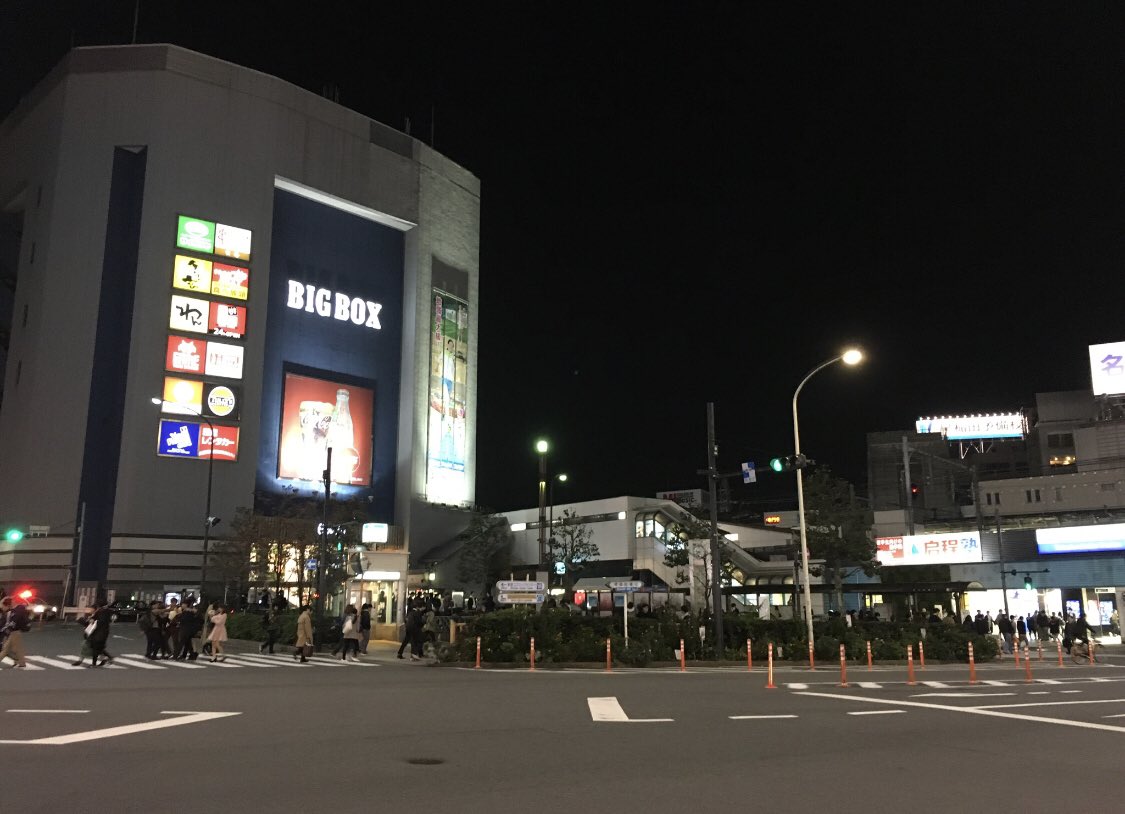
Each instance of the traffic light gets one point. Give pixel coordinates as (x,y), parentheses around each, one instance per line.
(1027,583)
(13,535)
(788,463)
(915,489)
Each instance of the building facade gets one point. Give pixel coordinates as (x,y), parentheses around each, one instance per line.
(279,274)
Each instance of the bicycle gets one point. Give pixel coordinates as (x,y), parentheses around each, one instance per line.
(1080,652)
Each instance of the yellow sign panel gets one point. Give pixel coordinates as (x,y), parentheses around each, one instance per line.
(192,274)
(182,396)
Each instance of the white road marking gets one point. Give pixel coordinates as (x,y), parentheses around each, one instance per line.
(608,710)
(757,717)
(1055,703)
(64,665)
(1040,692)
(1047,681)
(26,666)
(187,665)
(869,685)
(994,683)
(1119,715)
(110,666)
(115,731)
(52,711)
(936,684)
(994,713)
(877,712)
(797,686)
(967,694)
(1069,692)
(141,662)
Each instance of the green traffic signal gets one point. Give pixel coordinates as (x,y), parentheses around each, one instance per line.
(789,463)
(13,535)
(777,464)
(1027,583)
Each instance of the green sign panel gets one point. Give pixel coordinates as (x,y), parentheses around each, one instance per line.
(195,234)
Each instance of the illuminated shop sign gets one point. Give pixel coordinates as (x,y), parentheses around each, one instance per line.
(375,533)
(317,414)
(224,360)
(685,497)
(195,234)
(230,281)
(191,439)
(221,400)
(230,241)
(182,396)
(188,314)
(191,274)
(227,320)
(1081,539)
(325,303)
(929,549)
(224,447)
(449,371)
(966,427)
(184,355)
(1107,368)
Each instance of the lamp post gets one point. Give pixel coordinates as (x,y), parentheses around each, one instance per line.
(561,478)
(208,521)
(850,357)
(541,446)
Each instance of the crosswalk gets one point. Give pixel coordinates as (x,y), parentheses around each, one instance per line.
(129,661)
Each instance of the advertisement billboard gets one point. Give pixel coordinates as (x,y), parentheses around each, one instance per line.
(972,427)
(191,274)
(231,241)
(232,282)
(195,234)
(221,400)
(184,355)
(1081,539)
(223,446)
(191,439)
(1107,368)
(227,320)
(182,396)
(317,414)
(223,360)
(929,549)
(188,314)
(446,444)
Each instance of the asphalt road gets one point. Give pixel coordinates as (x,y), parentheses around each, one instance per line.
(391,733)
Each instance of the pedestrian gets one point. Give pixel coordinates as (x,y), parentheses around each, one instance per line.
(97,634)
(1007,629)
(189,625)
(970,624)
(304,635)
(205,630)
(271,625)
(412,632)
(1053,626)
(991,623)
(1021,631)
(172,628)
(364,627)
(349,630)
(15,623)
(147,622)
(218,633)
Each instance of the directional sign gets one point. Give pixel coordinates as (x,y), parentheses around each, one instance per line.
(506,586)
(521,597)
(626,585)
(749,473)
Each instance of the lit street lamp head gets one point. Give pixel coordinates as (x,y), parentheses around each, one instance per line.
(156,401)
(562,477)
(852,356)
(541,446)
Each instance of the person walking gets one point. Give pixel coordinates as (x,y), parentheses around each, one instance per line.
(364,627)
(272,624)
(188,626)
(411,630)
(1007,629)
(98,636)
(351,634)
(218,633)
(15,623)
(147,622)
(304,635)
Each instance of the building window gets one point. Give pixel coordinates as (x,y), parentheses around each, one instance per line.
(1060,440)
(988,498)
(996,498)
(1058,493)
(1108,487)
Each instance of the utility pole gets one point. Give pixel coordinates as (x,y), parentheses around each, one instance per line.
(1003,574)
(906,485)
(322,555)
(716,565)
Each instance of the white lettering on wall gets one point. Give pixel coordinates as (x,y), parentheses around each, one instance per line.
(336,304)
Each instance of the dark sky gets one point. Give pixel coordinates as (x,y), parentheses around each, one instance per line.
(701,205)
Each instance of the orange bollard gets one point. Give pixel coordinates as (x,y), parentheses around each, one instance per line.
(1090,650)
(910,665)
(769,671)
(922,655)
(812,661)
(749,658)
(608,657)
(478,653)
(532,654)
(1016,653)
(1027,667)
(972,666)
(1059,645)
(869,654)
(683,657)
(843,668)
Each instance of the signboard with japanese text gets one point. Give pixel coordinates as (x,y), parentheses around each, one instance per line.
(687,498)
(178,439)
(1081,539)
(195,234)
(227,320)
(224,360)
(191,274)
(232,282)
(224,445)
(929,549)
(971,427)
(221,400)
(1107,368)
(184,355)
(231,241)
(188,314)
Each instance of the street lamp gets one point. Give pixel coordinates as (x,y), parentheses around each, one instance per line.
(208,520)
(561,478)
(850,357)
(541,446)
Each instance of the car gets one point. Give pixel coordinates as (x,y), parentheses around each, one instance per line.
(37,608)
(123,612)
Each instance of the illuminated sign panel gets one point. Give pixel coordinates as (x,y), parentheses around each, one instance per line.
(230,281)
(182,396)
(1107,368)
(929,549)
(224,445)
(772,519)
(195,234)
(230,241)
(317,414)
(685,497)
(188,314)
(1081,539)
(191,274)
(449,349)
(375,533)
(325,303)
(224,360)
(221,400)
(227,320)
(184,355)
(178,439)
(967,427)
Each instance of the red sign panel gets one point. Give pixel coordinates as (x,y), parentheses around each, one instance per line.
(230,281)
(227,320)
(224,446)
(184,355)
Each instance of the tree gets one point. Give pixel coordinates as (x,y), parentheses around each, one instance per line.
(486,553)
(570,548)
(687,540)
(837,528)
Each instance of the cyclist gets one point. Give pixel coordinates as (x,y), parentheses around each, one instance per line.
(1081,629)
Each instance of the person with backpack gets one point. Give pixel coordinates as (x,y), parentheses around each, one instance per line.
(16,623)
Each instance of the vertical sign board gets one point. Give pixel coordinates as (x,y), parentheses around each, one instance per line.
(446,443)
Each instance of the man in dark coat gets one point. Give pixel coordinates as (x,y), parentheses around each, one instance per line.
(190,625)
(980,624)
(100,635)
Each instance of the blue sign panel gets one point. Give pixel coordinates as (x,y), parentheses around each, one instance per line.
(178,439)
(1081,539)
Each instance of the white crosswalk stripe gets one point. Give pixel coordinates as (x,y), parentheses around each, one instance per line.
(869,685)
(186,665)
(140,661)
(62,665)
(27,666)
(938,684)
(109,666)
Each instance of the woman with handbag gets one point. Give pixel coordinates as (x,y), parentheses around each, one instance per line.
(304,635)
(97,634)
(351,634)
(218,633)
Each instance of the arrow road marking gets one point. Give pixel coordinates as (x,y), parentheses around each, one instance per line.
(129,729)
(607,710)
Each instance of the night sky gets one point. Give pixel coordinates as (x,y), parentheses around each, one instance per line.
(701,205)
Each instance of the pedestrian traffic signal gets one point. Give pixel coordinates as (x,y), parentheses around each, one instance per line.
(788,463)
(13,535)
(1027,583)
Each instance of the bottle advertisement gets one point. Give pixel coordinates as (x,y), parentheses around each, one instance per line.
(318,414)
